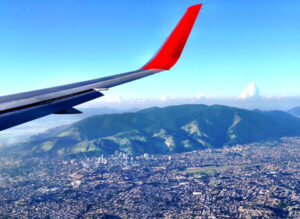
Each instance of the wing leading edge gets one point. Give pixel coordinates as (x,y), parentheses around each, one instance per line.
(20,108)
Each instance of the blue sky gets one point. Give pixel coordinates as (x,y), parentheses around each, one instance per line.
(48,43)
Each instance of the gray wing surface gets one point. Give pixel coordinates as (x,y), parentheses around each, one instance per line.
(19,108)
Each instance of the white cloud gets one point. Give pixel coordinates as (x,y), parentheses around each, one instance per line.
(115,99)
(251,91)
(200,96)
(165,98)
(250,99)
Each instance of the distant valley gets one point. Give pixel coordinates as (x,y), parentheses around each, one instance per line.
(19,133)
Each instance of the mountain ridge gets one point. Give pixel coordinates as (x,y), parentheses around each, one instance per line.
(295,111)
(172,129)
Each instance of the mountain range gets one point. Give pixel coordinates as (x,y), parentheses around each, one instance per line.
(172,129)
(295,111)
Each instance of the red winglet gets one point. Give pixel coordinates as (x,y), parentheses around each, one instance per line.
(170,52)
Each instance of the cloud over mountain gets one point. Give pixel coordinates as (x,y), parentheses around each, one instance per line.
(251,91)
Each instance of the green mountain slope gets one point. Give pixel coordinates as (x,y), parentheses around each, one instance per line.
(165,130)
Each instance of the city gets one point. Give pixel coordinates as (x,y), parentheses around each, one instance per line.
(254,180)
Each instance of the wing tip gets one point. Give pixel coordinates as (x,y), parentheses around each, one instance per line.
(197,6)
(171,50)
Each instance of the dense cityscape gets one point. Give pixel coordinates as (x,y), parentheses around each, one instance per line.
(254,180)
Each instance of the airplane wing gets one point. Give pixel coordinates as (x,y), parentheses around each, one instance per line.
(23,107)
